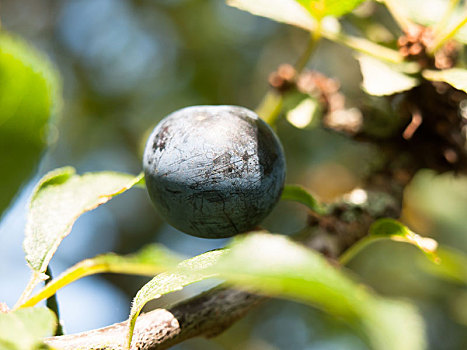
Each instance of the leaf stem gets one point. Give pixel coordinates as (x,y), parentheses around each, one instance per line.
(441,39)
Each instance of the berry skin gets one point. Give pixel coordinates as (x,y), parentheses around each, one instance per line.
(214,171)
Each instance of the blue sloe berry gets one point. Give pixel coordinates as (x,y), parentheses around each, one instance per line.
(214,171)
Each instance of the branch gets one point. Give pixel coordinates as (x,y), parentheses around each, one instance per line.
(208,315)
(214,311)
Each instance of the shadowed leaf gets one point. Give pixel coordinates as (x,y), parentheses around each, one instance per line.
(29,99)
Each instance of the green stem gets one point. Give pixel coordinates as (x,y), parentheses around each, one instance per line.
(438,27)
(312,43)
(52,304)
(441,39)
(353,250)
(270,107)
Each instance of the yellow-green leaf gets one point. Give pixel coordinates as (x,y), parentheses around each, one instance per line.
(456,77)
(58,200)
(322,8)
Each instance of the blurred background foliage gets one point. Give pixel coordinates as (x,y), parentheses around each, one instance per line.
(124,65)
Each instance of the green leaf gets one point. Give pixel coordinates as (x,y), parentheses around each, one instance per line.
(149,261)
(381,79)
(24,329)
(187,272)
(396,231)
(390,229)
(58,200)
(29,99)
(275,265)
(284,11)
(298,194)
(456,77)
(322,8)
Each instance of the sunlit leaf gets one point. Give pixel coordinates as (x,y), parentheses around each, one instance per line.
(24,329)
(380,79)
(299,194)
(149,261)
(187,272)
(396,231)
(29,99)
(322,8)
(58,200)
(285,11)
(456,77)
(276,266)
